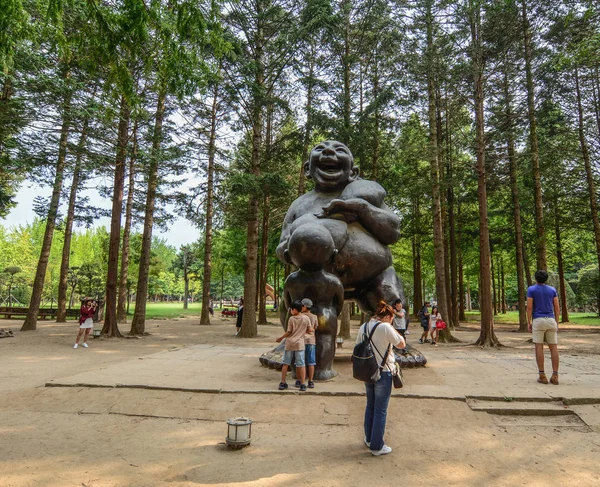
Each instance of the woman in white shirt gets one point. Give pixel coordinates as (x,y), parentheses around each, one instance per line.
(378,394)
(433,319)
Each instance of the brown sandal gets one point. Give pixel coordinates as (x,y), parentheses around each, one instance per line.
(542,379)
(554,379)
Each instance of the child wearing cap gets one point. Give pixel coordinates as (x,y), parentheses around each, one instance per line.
(310,344)
(297,328)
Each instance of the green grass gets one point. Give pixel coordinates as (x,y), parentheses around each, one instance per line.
(513,317)
(168,310)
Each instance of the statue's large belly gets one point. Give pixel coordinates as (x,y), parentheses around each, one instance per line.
(361,259)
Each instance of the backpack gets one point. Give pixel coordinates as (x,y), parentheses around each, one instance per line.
(364,363)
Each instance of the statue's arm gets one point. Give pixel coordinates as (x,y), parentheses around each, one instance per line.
(281,250)
(382,222)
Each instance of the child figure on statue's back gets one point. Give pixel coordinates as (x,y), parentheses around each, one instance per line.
(325,289)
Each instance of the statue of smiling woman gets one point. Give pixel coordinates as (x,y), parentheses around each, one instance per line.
(338,236)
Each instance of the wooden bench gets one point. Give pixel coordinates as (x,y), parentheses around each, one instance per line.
(8,312)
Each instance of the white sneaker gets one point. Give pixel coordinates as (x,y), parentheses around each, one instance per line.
(384,451)
(85,345)
(407,332)
(368,443)
(75,346)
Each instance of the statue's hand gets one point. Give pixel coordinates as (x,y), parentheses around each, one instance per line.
(353,206)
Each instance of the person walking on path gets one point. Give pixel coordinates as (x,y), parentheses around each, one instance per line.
(400,320)
(383,338)
(434,317)
(86,322)
(542,319)
(310,343)
(424,317)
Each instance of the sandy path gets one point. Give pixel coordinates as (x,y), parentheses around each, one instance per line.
(126,437)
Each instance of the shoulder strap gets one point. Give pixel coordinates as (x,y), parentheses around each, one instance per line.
(388,348)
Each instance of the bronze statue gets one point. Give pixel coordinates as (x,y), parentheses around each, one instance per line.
(338,236)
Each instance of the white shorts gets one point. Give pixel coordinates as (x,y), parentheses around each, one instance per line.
(544,330)
(89,323)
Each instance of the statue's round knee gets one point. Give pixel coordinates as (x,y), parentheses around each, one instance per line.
(311,246)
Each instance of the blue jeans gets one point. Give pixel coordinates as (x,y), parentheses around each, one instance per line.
(378,397)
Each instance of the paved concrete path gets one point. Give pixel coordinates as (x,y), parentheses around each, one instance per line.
(452,372)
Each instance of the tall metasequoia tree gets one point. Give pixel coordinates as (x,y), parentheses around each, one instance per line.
(138,324)
(438,232)
(208,226)
(111,327)
(487,337)
(63,282)
(561,265)
(40,274)
(585,155)
(516,206)
(533,142)
(123,291)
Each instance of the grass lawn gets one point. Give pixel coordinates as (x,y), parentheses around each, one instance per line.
(168,310)
(513,317)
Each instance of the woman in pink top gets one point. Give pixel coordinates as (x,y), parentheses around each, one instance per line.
(86,321)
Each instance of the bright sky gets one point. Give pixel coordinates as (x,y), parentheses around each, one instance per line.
(180,231)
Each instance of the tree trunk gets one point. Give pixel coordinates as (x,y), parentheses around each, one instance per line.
(186,290)
(63,281)
(438,231)
(208,232)
(526,263)
(123,288)
(110,327)
(30,322)
(346,68)
(487,337)
(561,267)
(309,118)
(516,206)
(262,284)
(138,324)
(494,299)
(503,288)
(589,175)
(249,329)
(345,321)
(533,140)
(417,294)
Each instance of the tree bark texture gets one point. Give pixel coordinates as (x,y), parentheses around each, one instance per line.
(438,231)
(63,281)
(249,329)
(264,256)
(123,292)
(111,327)
(345,321)
(487,337)
(561,267)
(533,141)
(30,322)
(208,227)
(138,324)
(585,155)
(516,207)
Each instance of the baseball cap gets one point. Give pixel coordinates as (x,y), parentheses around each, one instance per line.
(307,302)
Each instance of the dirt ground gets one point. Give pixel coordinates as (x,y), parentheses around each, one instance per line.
(121,436)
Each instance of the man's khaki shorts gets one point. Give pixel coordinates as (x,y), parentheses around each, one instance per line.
(544,328)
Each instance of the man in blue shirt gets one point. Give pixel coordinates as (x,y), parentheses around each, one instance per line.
(542,318)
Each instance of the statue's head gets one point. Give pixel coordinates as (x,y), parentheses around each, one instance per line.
(331,166)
